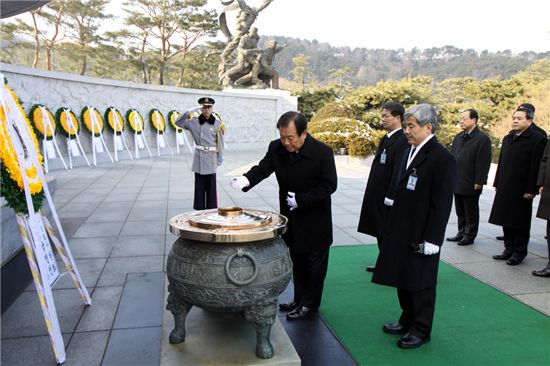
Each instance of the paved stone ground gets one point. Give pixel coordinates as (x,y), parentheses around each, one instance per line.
(115,217)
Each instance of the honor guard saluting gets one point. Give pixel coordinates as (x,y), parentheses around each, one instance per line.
(207,130)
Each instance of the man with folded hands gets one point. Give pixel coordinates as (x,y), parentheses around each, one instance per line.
(415,228)
(306,174)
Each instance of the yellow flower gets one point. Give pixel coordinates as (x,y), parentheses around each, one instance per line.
(87,117)
(39,120)
(111,120)
(173,117)
(157,120)
(9,157)
(138,127)
(65,126)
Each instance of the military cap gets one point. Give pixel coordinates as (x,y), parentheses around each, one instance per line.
(206,101)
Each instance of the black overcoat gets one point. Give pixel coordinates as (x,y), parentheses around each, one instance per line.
(381,184)
(417,216)
(544,180)
(311,174)
(517,171)
(472,152)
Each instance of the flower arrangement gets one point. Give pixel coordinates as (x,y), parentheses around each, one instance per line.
(173,115)
(86,117)
(38,115)
(131,115)
(109,115)
(61,119)
(11,179)
(157,120)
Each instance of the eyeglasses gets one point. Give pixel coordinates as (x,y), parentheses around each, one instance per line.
(385,116)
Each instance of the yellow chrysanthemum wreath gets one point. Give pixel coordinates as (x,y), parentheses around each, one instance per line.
(62,122)
(172,117)
(38,120)
(130,115)
(11,178)
(157,120)
(86,116)
(110,113)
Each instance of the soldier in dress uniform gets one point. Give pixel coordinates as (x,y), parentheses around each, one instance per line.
(207,130)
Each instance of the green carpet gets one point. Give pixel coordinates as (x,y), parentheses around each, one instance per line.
(474,323)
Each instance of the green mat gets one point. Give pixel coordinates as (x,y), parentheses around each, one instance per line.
(474,323)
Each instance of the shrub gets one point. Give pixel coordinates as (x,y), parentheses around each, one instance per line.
(334,140)
(364,144)
(357,137)
(333,109)
(446,133)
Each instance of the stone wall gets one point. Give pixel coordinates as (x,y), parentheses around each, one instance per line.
(250,115)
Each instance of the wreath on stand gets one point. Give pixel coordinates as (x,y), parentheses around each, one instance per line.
(110,115)
(157,120)
(86,117)
(61,116)
(38,119)
(11,179)
(173,116)
(130,115)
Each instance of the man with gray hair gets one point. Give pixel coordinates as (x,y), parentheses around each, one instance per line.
(415,228)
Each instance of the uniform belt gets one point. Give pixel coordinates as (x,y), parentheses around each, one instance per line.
(206,148)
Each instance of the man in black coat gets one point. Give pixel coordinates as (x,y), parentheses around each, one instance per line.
(472,151)
(516,185)
(306,174)
(415,228)
(380,190)
(535,128)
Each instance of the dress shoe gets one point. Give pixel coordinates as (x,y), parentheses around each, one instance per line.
(370,269)
(289,306)
(455,238)
(514,261)
(505,255)
(500,237)
(394,328)
(465,241)
(301,312)
(545,272)
(411,341)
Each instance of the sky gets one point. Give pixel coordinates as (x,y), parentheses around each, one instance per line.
(493,25)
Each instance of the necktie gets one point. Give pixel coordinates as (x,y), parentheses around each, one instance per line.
(411,155)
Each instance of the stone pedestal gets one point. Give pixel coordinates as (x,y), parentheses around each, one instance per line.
(214,338)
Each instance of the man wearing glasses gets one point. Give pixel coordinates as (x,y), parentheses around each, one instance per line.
(380,190)
(207,130)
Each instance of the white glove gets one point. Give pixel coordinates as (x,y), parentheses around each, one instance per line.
(291,200)
(430,249)
(238,183)
(388,202)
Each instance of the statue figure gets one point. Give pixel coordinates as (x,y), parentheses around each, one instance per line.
(246,57)
(262,73)
(246,17)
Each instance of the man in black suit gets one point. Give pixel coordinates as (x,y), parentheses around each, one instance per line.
(472,151)
(380,190)
(415,229)
(536,128)
(306,174)
(516,185)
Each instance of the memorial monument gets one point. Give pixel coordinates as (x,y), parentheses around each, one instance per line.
(253,67)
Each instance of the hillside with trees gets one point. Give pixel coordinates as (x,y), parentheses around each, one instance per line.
(362,66)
